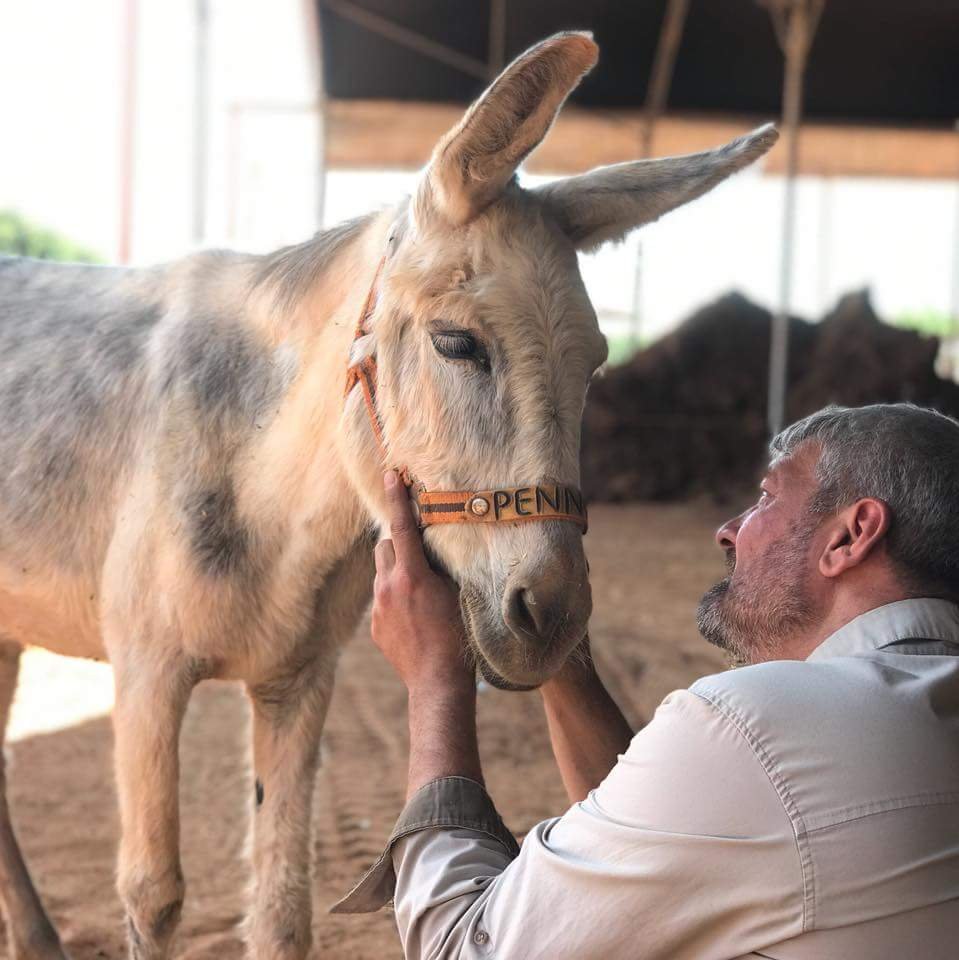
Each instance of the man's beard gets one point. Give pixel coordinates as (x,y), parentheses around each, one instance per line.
(751,616)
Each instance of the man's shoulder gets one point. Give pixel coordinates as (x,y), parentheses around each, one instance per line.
(886,723)
(793,695)
(756,673)
(775,681)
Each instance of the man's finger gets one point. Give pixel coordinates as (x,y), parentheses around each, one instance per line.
(384,556)
(404,532)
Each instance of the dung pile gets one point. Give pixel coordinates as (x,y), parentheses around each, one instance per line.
(687,415)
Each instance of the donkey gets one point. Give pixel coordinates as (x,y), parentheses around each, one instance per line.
(185,491)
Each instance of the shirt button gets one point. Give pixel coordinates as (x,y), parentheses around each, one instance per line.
(480,937)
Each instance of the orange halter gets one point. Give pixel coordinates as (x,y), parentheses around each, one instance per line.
(503,505)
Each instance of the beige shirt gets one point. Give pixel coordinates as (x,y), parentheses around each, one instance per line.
(787,810)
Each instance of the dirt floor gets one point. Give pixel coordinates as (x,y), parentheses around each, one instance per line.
(650,564)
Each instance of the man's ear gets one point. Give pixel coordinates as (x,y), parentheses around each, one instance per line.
(475,161)
(857,532)
(607,203)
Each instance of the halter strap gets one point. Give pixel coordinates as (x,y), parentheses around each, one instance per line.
(503,505)
(552,501)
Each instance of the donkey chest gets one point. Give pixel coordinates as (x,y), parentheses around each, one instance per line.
(299,609)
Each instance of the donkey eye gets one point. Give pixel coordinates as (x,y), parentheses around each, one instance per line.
(457,345)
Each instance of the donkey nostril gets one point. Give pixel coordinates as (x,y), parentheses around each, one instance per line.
(524,615)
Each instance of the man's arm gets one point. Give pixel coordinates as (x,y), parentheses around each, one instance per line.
(587,730)
(416,623)
(684,850)
(442,737)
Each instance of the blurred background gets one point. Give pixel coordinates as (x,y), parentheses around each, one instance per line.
(140,129)
(136,131)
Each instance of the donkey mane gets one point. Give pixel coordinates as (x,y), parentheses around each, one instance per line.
(291,271)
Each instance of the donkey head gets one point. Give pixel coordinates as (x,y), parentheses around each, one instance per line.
(485,343)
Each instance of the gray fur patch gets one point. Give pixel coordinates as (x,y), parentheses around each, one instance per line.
(228,378)
(218,385)
(72,368)
(219,541)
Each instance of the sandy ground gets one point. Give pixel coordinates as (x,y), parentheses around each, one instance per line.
(649,566)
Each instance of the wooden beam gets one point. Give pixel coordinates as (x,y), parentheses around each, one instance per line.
(496,46)
(411,39)
(401,135)
(657,93)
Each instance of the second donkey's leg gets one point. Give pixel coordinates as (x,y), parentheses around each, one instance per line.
(288,715)
(151,697)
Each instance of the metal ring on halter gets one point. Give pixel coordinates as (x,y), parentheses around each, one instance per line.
(551,501)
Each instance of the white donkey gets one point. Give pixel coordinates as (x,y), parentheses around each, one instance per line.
(185,491)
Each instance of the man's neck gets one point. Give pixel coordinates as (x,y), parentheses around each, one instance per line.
(846,606)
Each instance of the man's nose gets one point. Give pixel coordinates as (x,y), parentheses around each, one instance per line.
(726,534)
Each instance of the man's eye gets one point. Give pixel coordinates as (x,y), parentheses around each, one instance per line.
(458,345)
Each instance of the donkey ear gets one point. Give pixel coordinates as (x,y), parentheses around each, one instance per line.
(473,163)
(606,203)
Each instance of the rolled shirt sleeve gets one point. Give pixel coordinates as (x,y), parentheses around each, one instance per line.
(684,851)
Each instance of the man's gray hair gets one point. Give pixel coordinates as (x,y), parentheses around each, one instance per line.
(902,454)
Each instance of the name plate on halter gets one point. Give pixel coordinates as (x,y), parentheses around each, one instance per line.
(551,501)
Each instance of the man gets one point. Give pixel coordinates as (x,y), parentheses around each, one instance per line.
(805,805)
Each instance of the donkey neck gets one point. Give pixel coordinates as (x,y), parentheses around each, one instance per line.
(303,473)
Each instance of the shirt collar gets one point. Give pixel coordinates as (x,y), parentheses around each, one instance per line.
(926,618)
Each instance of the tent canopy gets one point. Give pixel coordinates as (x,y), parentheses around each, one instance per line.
(873,61)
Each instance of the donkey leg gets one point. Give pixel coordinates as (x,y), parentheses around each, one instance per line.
(151,699)
(30,934)
(288,715)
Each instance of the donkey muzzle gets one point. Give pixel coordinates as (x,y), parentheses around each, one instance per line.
(522,632)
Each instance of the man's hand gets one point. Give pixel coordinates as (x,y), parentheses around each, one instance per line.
(417,625)
(416,618)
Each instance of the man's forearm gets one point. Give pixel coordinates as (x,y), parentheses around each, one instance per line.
(588,731)
(443,735)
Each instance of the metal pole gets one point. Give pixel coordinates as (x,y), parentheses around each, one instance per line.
(824,259)
(314,32)
(664,62)
(233,172)
(127,129)
(657,93)
(950,353)
(497,37)
(322,132)
(201,118)
(795,27)
(954,300)
(779,340)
